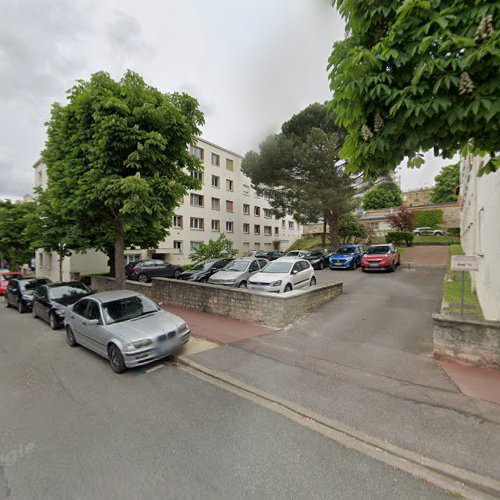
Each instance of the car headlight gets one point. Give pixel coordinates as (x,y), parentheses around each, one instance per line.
(139,344)
(182,328)
(276,283)
(28,298)
(230,281)
(59,312)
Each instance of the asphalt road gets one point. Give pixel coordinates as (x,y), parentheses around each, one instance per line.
(72,429)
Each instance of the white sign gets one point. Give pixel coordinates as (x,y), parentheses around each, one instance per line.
(464,263)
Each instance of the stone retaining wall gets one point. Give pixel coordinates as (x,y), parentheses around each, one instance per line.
(276,310)
(469,341)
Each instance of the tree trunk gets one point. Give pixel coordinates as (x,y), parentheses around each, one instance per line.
(333,222)
(111,260)
(61,257)
(119,253)
(323,236)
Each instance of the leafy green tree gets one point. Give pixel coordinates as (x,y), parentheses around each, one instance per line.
(384,195)
(117,162)
(221,248)
(416,75)
(299,170)
(15,242)
(351,230)
(445,189)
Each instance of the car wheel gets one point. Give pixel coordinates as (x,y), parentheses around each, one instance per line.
(243,284)
(21,307)
(352,266)
(398,263)
(313,281)
(53,321)
(417,234)
(288,288)
(70,337)
(177,273)
(116,359)
(142,278)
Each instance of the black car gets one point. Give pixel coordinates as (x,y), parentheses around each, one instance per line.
(203,270)
(144,270)
(50,301)
(19,292)
(271,255)
(318,258)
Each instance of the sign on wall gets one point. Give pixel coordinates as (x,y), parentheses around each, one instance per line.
(464,263)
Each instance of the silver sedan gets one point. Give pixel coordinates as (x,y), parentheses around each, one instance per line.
(125,327)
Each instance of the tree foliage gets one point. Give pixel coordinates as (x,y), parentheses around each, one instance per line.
(351,230)
(416,75)
(300,172)
(221,248)
(446,182)
(428,218)
(402,220)
(117,162)
(15,241)
(384,195)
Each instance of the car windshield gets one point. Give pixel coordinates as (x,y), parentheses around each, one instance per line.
(68,294)
(344,250)
(315,254)
(237,265)
(294,253)
(202,266)
(32,284)
(378,250)
(127,308)
(278,267)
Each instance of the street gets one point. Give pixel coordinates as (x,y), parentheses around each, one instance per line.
(71,428)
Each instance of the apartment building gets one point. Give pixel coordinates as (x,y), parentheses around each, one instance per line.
(480,231)
(417,197)
(226,204)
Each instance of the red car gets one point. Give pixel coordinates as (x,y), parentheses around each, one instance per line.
(5,276)
(381,258)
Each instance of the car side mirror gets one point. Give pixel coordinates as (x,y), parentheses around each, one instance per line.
(160,303)
(94,322)
(294,271)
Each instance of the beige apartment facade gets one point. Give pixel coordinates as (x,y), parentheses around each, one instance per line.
(226,204)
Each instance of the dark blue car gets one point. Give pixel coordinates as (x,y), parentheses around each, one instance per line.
(346,257)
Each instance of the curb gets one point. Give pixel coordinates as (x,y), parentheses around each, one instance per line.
(453,479)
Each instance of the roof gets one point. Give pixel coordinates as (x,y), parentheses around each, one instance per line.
(218,147)
(290,259)
(104,297)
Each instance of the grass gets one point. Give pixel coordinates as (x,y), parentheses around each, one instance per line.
(452,287)
(429,240)
(307,243)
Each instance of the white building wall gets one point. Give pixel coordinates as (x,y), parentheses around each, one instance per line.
(480,231)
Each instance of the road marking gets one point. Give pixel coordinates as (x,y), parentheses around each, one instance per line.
(453,479)
(154,368)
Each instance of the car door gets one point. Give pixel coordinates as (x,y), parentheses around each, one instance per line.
(253,268)
(304,274)
(43,303)
(76,319)
(295,275)
(11,292)
(95,333)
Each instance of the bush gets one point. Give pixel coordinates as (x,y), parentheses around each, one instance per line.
(398,237)
(453,231)
(428,218)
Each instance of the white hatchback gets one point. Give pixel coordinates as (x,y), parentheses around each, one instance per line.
(283,275)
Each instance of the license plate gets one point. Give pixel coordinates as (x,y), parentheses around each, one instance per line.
(337,264)
(373,265)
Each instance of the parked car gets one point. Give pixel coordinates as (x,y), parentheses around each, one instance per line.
(296,253)
(283,275)
(346,257)
(125,327)
(381,258)
(238,272)
(203,270)
(318,258)
(5,277)
(428,231)
(50,301)
(19,292)
(145,270)
(271,255)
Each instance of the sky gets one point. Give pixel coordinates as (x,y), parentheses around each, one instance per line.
(251,65)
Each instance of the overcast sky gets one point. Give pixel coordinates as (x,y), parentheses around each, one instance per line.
(251,65)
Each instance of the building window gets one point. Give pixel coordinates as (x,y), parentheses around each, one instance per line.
(229,164)
(196,200)
(178,246)
(196,151)
(132,258)
(246,209)
(216,225)
(215,159)
(267,230)
(229,226)
(215,181)
(256,229)
(246,228)
(246,190)
(178,221)
(276,231)
(196,223)
(256,211)
(215,204)
(197,175)
(267,213)
(229,185)
(283,224)
(290,224)
(195,245)
(229,206)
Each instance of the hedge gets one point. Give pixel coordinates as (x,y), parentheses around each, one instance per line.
(428,218)
(398,237)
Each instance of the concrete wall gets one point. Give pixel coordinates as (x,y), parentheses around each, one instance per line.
(480,230)
(265,308)
(469,341)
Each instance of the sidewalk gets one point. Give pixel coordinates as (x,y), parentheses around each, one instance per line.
(429,255)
